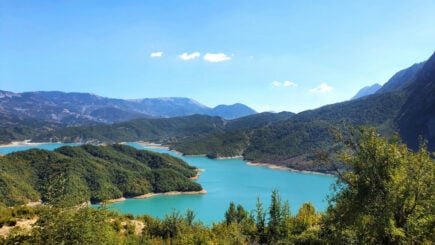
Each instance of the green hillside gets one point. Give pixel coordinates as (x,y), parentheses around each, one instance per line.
(74,175)
(162,130)
(294,142)
(388,198)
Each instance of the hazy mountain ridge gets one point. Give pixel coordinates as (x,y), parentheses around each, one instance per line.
(368,90)
(85,108)
(402,78)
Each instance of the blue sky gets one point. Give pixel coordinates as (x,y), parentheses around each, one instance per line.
(270,55)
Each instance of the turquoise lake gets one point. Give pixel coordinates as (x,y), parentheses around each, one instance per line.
(225,181)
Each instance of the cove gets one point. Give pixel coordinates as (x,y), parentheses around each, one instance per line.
(230,180)
(233,180)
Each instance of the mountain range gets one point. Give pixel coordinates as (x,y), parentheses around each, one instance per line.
(404,104)
(398,81)
(86,109)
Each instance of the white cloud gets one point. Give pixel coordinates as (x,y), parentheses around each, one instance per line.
(276,83)
(283,84)
(288,84)
(156,54)
(186,56)
(322,88)
(218,57)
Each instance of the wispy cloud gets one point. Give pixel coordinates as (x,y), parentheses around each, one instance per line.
(283,84)
(156,54)
(217,57)
(322,88)
(186,56)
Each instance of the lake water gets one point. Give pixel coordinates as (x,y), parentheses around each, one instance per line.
(225,181)
(51,146)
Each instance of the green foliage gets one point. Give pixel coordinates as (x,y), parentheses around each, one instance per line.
(5,215)
(389,197)
(161,130)
(293,141)
(236,215)
(73,175)
(13,128)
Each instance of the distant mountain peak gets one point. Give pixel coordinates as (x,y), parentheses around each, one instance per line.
(232,111)
(367,90)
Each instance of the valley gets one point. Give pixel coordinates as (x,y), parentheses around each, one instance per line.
(217,122)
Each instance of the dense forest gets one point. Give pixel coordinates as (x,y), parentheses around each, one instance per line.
(387,198)
(278,138)
(75,175)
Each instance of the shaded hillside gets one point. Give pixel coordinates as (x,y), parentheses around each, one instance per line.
(73,175)
(13,128)
(407,104)
(257,121)
(417,117)
(293,142)
(162,130)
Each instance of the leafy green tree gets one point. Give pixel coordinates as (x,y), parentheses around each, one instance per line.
(275,217)
(231,214)
(387,198)
(260,222)
(305,218)
(190,216)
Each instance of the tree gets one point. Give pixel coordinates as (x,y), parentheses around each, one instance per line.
(306,217)
(387,198)
(231,214)
(275,217)
(190,216)
(260,222)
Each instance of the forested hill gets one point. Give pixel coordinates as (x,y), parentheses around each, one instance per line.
(293,142)
(162,130)
(73,175)
(406,105)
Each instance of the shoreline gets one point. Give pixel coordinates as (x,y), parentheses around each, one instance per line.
(151,145)
(198,174)
(152,194)
(25,143)
(227,158)
(160,146)
(278,167)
